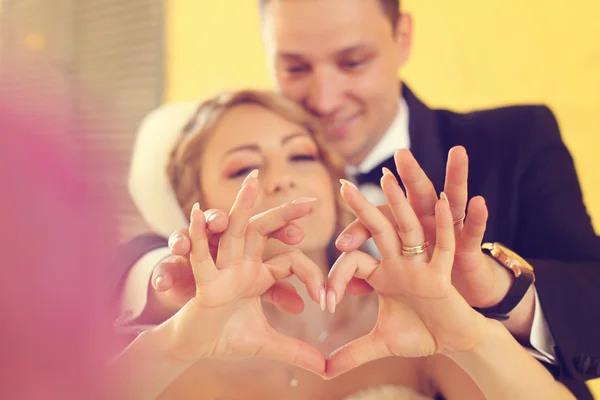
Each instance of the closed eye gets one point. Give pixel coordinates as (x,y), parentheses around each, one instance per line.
(303,157)
(242,172)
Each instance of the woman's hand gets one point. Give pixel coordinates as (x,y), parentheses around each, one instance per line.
(420,311)
(477,277)
(225,318)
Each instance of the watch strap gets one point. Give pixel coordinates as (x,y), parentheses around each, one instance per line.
(509,302)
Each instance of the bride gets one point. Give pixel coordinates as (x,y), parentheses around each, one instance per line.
(228,337)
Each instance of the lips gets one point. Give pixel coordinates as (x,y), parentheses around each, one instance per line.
(340,127)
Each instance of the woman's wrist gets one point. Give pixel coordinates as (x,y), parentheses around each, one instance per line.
(490,332)
(503,369)
(147,366)
(160,341)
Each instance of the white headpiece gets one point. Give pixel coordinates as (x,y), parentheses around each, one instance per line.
(149,185)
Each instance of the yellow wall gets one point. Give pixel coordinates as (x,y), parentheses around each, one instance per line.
(466,54)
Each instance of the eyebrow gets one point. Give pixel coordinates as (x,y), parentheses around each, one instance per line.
(255,147)
(342,52)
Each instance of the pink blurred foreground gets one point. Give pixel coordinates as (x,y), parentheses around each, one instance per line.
(55,241)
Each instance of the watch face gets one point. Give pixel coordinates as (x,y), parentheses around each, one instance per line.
(515,258)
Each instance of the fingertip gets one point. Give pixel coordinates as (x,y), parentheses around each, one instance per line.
(196,215)
(442,205)
(181,246)
(401,157)
(479,201)
(195,209)
(344,241)
(348,184)
(477,210)
(173,239)
(250,178)
(386,172)
(162,283)
(333,369)
(217,221)
(443,214)
(444,198)
(293,234)
(459,150)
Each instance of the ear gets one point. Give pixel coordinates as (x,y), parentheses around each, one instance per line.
(404,37)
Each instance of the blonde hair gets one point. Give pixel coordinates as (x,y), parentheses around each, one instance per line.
(183,166)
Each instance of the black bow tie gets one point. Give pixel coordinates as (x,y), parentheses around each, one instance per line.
(374,175)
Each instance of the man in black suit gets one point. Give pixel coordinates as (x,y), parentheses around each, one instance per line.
(339,59)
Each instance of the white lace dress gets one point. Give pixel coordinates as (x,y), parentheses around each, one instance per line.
(388,392)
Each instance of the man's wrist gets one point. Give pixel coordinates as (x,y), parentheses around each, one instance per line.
(503,278)
(521,317)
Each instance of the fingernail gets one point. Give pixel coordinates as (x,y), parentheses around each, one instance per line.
(212,216)
(195,208)
(174,239)
(158,281)
(292,231)
(302,200)
(386,171)
(322,298)
(444,198)
(345,182)
(344,240)
(331,301)
(253,174)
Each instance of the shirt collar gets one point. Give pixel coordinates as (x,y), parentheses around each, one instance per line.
(395,138)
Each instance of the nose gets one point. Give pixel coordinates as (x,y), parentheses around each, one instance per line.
(324,93)
(277,179)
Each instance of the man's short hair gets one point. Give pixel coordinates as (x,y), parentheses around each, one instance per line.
(391,9)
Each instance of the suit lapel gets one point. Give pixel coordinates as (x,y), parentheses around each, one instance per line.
(425,140)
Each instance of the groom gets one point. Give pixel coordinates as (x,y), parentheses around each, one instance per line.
(339,59)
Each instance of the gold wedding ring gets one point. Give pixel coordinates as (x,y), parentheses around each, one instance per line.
(416,250)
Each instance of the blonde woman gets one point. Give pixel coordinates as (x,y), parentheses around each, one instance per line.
(258,155)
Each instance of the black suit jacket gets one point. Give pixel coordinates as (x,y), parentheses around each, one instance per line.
(520,165)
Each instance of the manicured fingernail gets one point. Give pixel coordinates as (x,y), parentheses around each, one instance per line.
(387,172)
(344,240)
(444,198)
(322,298)
(195,208)
(174,239)
(253,174)
(331,301)
(345,182)
(302,200)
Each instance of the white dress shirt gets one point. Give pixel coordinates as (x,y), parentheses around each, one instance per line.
(135,292)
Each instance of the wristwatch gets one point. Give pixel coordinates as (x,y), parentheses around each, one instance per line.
(524,278)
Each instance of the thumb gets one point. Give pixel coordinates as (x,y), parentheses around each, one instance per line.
(356,353)
(292,351)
